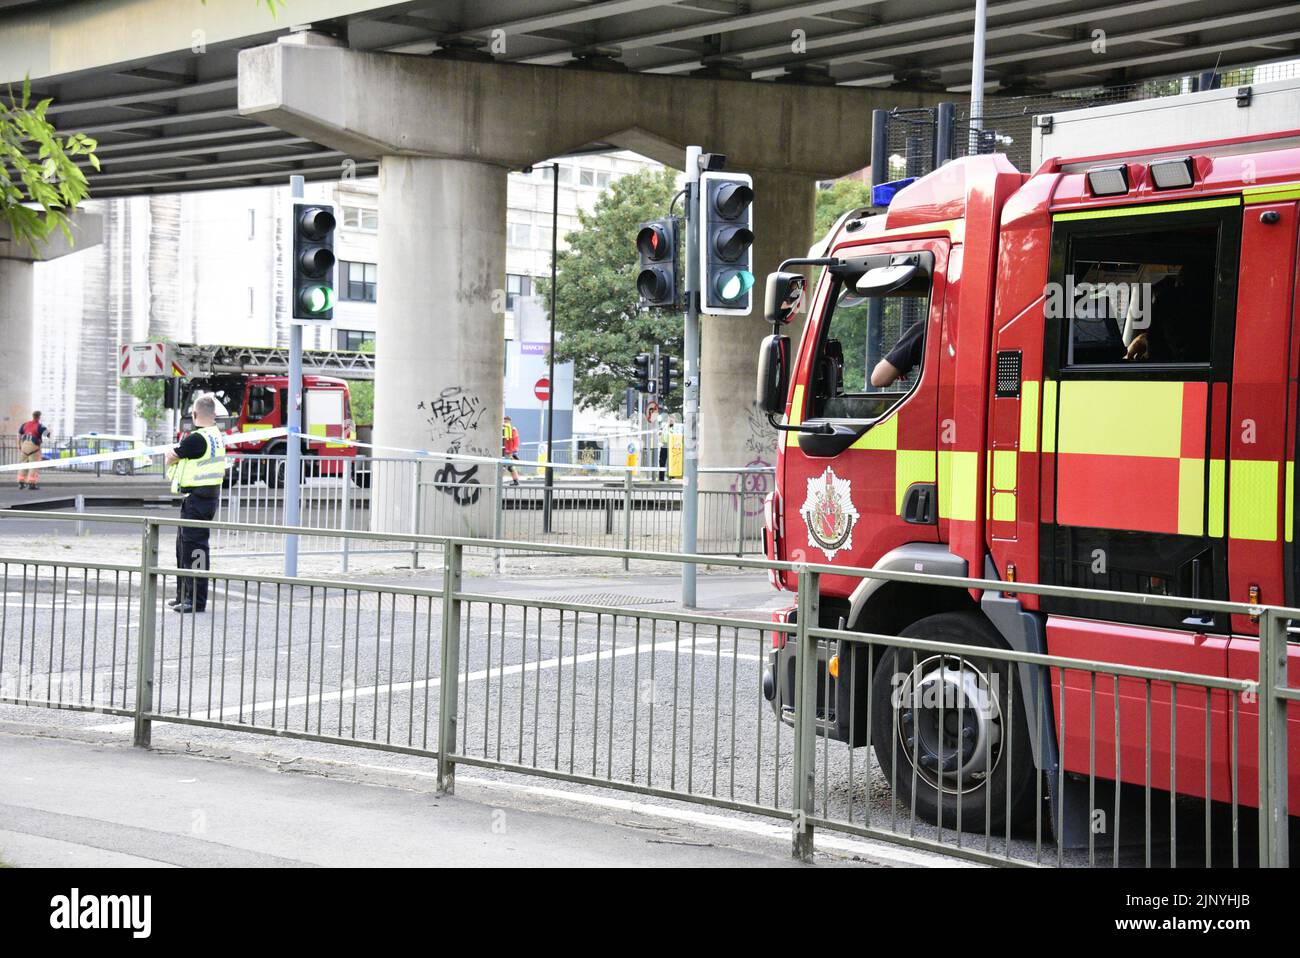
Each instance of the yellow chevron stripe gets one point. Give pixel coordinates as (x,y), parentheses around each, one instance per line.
(1252,499)
(1029,416)
(1145,210)
(1121,418)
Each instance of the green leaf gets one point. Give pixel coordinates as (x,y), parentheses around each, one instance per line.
(38,166)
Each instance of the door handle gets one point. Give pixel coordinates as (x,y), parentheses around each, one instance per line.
(919,504)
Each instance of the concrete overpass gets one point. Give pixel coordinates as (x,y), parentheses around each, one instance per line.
(441,99)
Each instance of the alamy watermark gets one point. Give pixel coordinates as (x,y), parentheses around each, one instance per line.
(1128,303)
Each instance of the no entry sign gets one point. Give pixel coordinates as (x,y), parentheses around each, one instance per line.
(542,390)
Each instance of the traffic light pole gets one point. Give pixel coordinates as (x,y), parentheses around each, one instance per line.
(691,378)
(293,464)
(550,355)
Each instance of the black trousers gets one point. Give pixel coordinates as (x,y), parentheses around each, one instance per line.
(192,549)
(663,463)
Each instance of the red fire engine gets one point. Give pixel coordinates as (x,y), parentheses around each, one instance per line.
(1083,376)
(252,384)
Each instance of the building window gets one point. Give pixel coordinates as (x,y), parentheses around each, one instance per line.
(517,286)
(358,281)
(519,234)
(586,177)
(352,339)
(361,218)
(602,179)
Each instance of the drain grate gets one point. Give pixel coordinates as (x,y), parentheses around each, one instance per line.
(616,599)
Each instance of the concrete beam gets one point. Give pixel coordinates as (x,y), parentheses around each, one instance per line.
(511,115)
(72,38)
(87,230)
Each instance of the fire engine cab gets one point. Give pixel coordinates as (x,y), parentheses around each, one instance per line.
(1086,376)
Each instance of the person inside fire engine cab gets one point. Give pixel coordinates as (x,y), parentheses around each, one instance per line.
(196,468)
(902,359)
(1180,322)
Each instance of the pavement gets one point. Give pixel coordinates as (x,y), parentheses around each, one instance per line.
(83,802)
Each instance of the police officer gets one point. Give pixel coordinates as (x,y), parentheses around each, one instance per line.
(196,467)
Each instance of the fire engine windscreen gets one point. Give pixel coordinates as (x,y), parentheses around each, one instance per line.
(859,334)
(229,391)
(1138,297)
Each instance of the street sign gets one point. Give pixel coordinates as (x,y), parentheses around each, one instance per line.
(651,411)
(542,389)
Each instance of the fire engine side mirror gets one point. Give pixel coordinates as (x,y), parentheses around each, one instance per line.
(785,292)
(884,280)
(773,373)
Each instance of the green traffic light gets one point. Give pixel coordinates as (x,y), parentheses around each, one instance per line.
(735,284)
(318,299)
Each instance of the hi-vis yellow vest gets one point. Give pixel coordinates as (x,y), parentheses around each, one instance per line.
(208,470)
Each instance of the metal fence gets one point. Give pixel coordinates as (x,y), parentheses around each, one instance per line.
(602,691)
(616,508)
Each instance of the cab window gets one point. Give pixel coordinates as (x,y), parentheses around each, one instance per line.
(871,352)
(1139,297)
(261,402)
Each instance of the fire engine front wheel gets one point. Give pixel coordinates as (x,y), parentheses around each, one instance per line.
(947,727)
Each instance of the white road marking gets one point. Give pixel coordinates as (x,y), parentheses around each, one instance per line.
(417,685)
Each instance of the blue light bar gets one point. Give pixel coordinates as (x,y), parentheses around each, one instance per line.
(884,193)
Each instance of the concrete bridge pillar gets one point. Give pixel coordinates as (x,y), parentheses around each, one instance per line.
(17,322)
(438,382)
(17,310)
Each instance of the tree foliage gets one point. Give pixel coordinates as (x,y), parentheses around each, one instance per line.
(363,392)
(838,199)
(601,328)
(41,181)
(148,395)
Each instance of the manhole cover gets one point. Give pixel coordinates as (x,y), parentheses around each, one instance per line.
(615,599)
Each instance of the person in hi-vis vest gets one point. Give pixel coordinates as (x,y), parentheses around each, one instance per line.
(510,448)
(196,468)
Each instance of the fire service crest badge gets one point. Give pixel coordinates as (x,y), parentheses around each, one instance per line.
(829,514)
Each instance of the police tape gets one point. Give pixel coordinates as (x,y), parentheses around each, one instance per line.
(232,439)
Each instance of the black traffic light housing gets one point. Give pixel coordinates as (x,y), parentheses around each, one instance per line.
(668,372)
(312,295)
(656,277)
(643,374)
(726,217)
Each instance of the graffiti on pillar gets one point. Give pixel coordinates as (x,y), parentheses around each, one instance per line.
(749,489)
(760,437)
(454,416)
(461,484)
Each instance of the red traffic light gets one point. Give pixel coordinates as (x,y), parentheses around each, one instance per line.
(653,243)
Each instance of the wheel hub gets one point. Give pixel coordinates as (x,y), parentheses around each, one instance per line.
(950,723)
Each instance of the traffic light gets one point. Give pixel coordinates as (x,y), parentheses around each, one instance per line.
(644,373)
(313,262)
(656,278)
(726,237)
(667,375)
